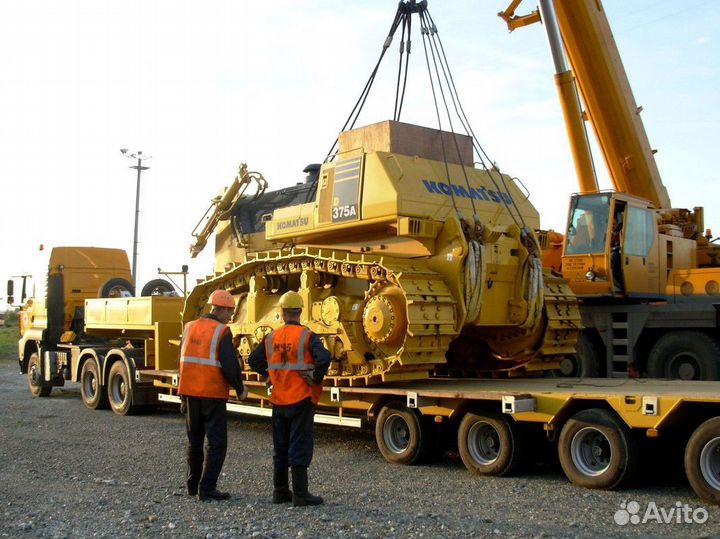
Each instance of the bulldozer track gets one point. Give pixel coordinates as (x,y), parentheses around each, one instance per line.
(401,326)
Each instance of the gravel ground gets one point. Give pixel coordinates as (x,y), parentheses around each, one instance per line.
(66,471)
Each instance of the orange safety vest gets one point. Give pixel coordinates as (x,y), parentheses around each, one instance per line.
(200,371)
(287,350)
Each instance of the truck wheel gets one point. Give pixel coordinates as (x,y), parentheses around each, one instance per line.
(586,361)
(116,288)
(38,386)
(158,287)
(597,450)
(402,435)
(702,461)
(93,392)
(685,355)
(119,390)
(489,444)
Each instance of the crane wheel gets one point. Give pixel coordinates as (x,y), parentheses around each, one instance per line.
(685,355)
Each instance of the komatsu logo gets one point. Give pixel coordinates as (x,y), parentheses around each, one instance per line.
(292,223)
(480,193)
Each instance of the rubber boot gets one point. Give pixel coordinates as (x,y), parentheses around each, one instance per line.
(300,494)
(282,493)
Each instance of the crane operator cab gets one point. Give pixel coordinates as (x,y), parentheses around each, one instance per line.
(614,247)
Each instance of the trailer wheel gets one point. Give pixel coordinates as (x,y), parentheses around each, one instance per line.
(402,435)
(702,461)
(158,287)
(38,386)
(597,450)
(119,390)
(93,392)
(490,444)
(116,288)
(685,355)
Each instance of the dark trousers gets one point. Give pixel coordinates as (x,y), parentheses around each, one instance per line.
(205,418)
(616,270)
(293,434)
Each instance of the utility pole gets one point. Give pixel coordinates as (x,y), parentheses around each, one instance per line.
(139,167)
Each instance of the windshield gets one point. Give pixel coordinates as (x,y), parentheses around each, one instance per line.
(587,231)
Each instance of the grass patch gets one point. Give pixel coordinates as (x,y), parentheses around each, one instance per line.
(8,344)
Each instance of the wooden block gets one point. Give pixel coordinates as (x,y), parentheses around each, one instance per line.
(408,139)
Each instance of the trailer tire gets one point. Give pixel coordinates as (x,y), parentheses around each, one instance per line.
(92,390)
(38,386)
(685,355)
(702,461)
(403,436)
(490,444)
(158,287)
(597,450)
(119,390)
(116,287)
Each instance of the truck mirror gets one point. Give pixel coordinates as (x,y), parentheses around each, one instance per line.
(10,287)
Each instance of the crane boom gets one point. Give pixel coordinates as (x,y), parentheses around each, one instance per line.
(606,93)
(610,103)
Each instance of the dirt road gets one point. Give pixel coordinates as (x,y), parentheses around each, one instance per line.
(66,471)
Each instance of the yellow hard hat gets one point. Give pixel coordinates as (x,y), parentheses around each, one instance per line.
(291,300)
(222,298)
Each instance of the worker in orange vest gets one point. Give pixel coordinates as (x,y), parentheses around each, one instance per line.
(208,367)
(296,361)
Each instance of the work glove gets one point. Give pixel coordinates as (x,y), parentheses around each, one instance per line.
(242,396)
(183,405)
(307,376)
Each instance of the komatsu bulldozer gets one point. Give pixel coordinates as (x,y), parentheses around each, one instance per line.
(410,260)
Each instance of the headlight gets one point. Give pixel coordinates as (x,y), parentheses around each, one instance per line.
(590,275)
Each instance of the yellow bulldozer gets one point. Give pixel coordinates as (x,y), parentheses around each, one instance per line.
(395,280)
(412,259)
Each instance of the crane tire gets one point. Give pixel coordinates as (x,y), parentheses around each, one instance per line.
(685,355)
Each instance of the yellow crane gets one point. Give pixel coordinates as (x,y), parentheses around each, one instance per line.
(628,246)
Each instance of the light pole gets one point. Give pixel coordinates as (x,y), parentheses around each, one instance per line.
(139,167)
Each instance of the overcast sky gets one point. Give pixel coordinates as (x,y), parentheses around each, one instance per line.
(203,86)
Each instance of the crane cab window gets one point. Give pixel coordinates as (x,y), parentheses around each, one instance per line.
(639,232)
(588,228)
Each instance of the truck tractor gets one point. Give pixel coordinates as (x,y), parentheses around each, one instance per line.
(54,345)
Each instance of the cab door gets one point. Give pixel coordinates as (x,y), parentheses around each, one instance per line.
(640,253)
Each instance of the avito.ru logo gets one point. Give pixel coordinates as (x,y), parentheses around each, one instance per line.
(630,513)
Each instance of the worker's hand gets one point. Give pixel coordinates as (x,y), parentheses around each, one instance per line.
(183,405)
(307,376)
(242,396)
